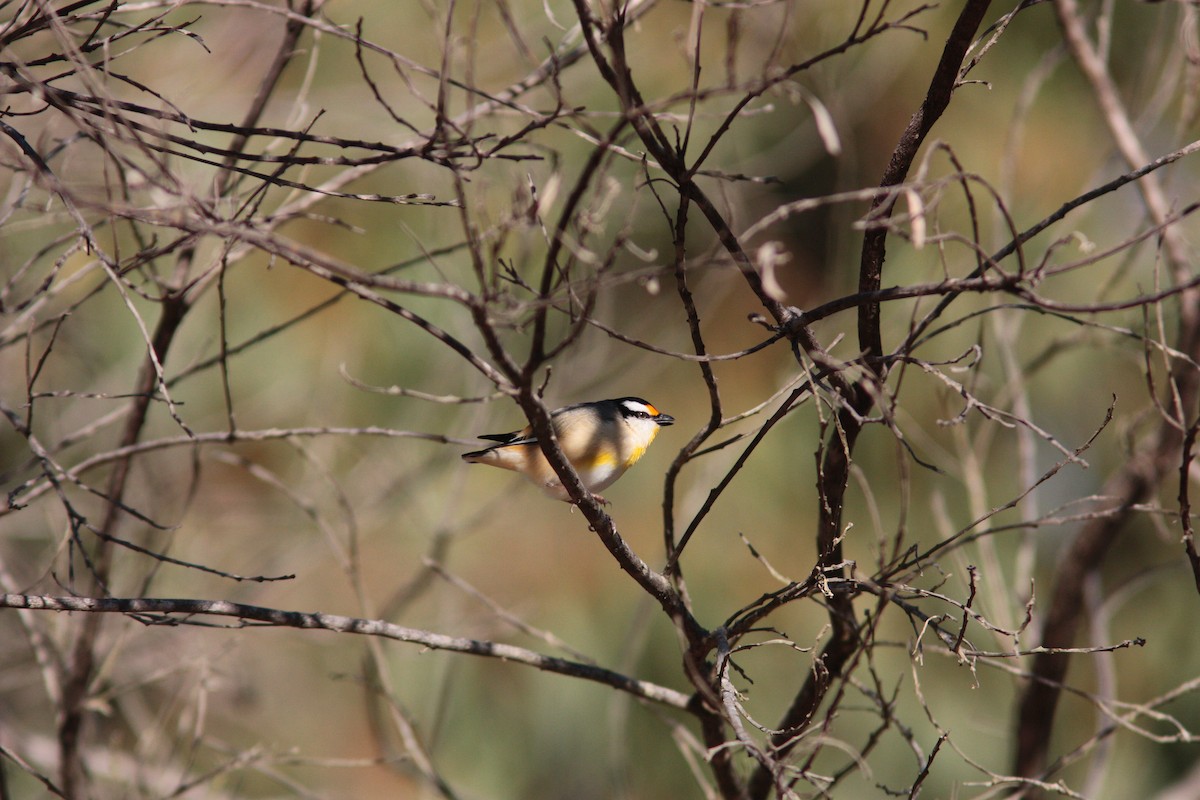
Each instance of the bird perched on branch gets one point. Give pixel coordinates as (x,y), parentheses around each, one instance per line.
(600,439)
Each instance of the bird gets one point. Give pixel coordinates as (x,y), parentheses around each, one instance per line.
(601,439)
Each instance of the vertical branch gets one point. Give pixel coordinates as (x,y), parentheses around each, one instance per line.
(1147,469)
(174,305)
(293,29)
(83,654)
(857,400)
(937,98)
(1185,502)
(550,267)
(670,543)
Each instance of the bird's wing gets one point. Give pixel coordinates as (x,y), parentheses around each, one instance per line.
(523,436)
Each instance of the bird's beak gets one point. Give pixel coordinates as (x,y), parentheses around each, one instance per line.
(664,419)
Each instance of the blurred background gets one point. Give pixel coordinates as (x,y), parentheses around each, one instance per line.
(328,486)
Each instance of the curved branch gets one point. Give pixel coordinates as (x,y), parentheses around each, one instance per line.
(945,80)
(148,610)
(1149,466)
(834,461)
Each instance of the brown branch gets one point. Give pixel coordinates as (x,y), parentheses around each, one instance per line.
(1185,503)
(31,490)
(83,659)
(834,465)
(153,611)
(937,98)
(266,88)
(1148,467)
